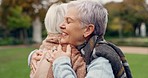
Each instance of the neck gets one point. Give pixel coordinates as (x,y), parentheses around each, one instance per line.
(90,39)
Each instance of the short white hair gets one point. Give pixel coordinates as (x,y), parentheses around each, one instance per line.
(54,17)
(92,12)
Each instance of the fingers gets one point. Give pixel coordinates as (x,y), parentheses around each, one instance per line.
(34,65)
(39,52)
(37,58)
(68,50)
(59,48)
(54,49)
(50,60)
(50,54)
(49,57)
(54,54)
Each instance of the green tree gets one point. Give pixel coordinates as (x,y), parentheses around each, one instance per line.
(134,12)
(116,25)
(13,12)
(130,14)
(17,20)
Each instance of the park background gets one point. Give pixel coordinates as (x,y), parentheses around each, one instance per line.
(22,30)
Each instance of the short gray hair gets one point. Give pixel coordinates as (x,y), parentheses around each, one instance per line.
(92,12)
(54,17)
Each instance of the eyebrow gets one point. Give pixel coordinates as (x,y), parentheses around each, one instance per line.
(69,18)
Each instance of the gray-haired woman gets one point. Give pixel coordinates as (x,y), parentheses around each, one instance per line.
(84,27)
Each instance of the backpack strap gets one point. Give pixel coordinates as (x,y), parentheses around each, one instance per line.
(123,59)
(96,47)
(115,56)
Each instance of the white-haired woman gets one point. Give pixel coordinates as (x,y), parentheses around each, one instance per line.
(40,66)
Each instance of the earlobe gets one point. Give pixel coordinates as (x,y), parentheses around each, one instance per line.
(89,30)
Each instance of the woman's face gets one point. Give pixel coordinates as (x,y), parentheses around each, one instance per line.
(72,31)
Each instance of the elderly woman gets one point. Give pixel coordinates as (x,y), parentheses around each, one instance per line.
(40,66)
(84,27)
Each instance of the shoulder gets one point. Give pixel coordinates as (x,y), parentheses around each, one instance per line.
(101,68)
(100,63)
(100,60)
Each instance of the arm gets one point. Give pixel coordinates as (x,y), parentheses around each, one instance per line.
(100,68)
(62,68)
(35,55)
(30,56)
(62,63)
(33,59)
(44,68)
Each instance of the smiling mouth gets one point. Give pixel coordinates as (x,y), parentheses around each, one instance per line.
(64,34)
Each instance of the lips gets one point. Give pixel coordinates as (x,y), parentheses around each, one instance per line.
(64,34)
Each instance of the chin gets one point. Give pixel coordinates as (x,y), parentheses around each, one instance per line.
(63,41)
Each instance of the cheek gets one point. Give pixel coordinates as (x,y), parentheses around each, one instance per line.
(74,34)
(76,37)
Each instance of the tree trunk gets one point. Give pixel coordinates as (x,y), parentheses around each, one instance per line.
(6,33)
(136,29)
(120,31)
(21,35)
(25,37)
(143,30)
(37,28)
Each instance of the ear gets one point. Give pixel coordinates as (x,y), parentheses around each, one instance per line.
(89,30)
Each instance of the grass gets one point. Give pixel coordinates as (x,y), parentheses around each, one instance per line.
(138,64)
(13,63)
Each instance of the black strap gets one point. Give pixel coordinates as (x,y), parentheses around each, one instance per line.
(120,53)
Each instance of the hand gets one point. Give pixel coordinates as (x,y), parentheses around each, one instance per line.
(35,58)
(59,53)
(37,55)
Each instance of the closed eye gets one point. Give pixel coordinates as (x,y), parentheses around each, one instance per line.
(67,20)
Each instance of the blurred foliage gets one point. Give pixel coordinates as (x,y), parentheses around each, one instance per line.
(10,41)
(16,17)
(126,16)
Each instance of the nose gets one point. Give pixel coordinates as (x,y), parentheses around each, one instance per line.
(62,25)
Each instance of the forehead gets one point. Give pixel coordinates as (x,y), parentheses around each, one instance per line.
(72,13)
